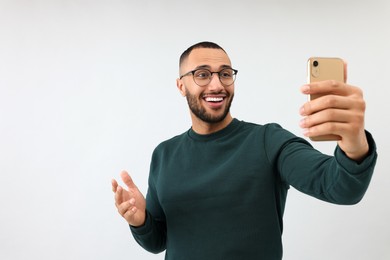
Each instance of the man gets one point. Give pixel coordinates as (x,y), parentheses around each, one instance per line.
(218,191)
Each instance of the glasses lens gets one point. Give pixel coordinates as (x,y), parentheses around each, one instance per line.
(227,76)
(202,77)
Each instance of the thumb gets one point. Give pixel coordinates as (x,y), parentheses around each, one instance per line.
(127,179)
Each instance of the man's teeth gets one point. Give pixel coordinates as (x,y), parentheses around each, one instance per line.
(213,99)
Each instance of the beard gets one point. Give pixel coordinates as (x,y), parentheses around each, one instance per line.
(200,112)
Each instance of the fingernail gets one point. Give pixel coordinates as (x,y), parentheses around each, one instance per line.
(305,131)
(305,89)
(132,201)
(302,111)
(302,122)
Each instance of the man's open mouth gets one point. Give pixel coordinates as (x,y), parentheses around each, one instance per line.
(214,99)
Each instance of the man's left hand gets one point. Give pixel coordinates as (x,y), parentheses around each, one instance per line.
(338,111)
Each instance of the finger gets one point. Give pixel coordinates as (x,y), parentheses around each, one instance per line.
(325,102)
(130,213)
(325,116)
(119,196)
(125,207)
(114,185)
(328,128)
(127,179)
(326,87)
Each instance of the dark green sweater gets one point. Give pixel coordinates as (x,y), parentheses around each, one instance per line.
(222,196)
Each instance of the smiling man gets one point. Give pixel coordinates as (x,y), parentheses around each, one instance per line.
(218,191)
(209,106)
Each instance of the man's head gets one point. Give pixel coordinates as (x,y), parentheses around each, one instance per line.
(207,81)
(207,45)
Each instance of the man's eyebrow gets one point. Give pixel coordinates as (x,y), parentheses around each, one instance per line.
(203,67)
(226,67)
(209,67)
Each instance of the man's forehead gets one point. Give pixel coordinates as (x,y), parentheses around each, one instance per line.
(208,57)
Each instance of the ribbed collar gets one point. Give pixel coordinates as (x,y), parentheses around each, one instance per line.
(213,136)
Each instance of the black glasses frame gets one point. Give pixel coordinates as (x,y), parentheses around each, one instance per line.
(192,72)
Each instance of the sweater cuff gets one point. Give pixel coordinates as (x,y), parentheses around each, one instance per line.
(145,228)
(358,167)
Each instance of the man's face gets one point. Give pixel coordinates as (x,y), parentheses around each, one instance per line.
(210,103)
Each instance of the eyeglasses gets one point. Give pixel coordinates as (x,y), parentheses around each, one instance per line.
(203,77)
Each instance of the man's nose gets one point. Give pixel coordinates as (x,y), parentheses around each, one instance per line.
(215,83)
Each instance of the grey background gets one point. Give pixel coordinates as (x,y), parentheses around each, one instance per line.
(87,88)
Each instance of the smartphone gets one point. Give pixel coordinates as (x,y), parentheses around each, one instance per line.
(320,69)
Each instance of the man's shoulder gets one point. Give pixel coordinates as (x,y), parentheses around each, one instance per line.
(173,141)
(269,131)
(264,127)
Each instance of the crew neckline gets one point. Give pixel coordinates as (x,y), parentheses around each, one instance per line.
(223,132)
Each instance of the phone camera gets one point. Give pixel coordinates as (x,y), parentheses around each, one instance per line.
(315,63)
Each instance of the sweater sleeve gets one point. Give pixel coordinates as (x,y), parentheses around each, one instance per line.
(336,179)
(152,235)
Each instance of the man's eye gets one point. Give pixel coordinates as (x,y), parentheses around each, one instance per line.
(226,74)
(202,74)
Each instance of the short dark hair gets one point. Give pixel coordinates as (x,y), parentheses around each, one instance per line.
(208,45)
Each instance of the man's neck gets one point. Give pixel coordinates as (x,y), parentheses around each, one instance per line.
(204,128)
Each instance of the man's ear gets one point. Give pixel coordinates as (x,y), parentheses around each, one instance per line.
(180,86)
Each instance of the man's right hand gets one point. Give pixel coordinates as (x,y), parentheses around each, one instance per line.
(130,203)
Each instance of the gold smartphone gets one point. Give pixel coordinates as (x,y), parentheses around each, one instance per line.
(320,69)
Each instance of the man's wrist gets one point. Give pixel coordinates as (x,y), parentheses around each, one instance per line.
(141,224)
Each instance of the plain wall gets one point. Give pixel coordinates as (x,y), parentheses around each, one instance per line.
(87,88)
